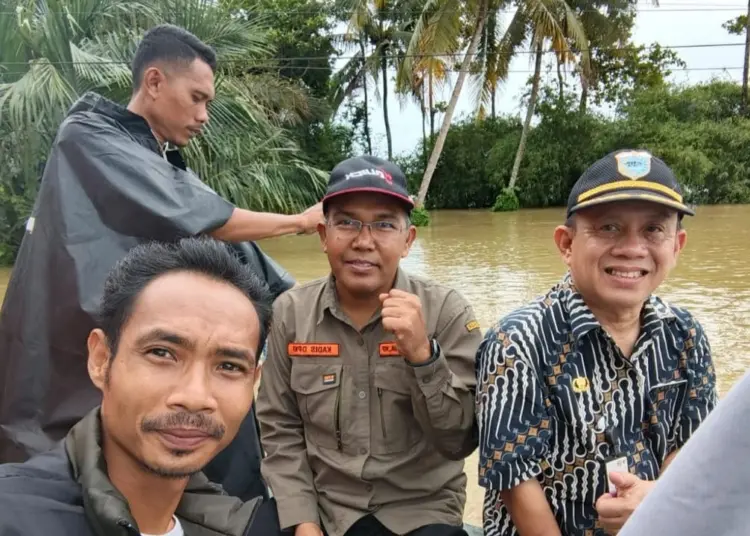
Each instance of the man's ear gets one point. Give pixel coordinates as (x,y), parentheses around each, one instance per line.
(322,234)
(153,81)
(564,241)
(410,237)
(681,241)
(99,358)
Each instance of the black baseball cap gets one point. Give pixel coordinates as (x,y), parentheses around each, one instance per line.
(627,175)
(368,174)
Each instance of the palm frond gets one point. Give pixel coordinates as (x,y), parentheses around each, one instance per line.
(97,72)
(577,33)
(437,32)
(40,93)
(346,81)
(514,37)
(484,82)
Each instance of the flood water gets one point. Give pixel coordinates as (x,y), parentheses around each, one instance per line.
(501,261)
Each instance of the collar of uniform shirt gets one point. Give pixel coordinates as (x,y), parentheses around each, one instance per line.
(329,299)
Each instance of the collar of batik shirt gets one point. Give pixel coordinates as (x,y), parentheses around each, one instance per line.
(582,320)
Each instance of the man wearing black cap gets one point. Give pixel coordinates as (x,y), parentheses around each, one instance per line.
(367,399)
(586,395)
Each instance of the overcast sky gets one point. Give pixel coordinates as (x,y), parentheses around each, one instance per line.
(675,22)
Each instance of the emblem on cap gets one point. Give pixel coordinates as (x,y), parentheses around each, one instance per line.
(376,172)
(633,164)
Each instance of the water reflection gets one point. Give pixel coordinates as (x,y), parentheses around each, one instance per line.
(501,261)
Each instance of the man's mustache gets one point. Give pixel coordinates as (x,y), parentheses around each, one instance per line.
(184,419)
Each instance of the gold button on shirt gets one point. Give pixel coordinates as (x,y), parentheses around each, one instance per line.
(350,428)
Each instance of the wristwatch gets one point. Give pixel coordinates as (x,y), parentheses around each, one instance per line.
(434,354)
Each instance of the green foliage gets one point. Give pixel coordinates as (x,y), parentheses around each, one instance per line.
(299,31)
(420,217)
(464,177)
(18,186)
(697,130)
(736,26)
(624,70)
(506,201)
(57,53)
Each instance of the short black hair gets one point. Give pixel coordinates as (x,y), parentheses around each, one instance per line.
(145,263)
(170,44)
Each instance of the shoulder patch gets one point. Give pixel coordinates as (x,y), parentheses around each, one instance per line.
(471,326)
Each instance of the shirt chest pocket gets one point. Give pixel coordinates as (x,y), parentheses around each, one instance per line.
(665,400)
(318,391)
(394,427)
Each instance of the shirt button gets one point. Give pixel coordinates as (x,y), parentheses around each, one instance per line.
(363,451)
(369,487)
(362,395)
(426,379)
(360,341)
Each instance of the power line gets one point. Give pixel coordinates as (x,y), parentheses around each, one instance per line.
(676,70)
(689,8)
(249,63)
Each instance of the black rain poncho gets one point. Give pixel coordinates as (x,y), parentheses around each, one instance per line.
(106,188)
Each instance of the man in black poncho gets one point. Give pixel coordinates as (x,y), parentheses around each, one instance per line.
(111,182)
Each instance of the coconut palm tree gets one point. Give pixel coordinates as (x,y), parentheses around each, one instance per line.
(438,33)
(55,50)
(429,74)
(541,23)
(379,26)
(552,24)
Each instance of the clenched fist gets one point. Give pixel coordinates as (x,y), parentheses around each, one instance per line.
(402,316)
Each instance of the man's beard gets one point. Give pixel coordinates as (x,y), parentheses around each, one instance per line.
(183,418)
(171,473)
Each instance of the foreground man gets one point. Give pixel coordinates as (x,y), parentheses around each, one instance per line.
(366,402)
(175,360)
(598,374)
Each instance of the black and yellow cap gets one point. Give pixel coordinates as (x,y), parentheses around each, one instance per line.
(627,175)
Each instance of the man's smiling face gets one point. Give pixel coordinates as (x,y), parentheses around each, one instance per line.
(619,253)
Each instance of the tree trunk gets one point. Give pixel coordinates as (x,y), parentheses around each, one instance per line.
(384,71)
(747,60)
(367,102)
(560,79)
(494,94)
(424,128)
(440,141)
(529,116)
(584,99)
(432,109)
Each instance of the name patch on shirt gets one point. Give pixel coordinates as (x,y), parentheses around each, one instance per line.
(313,349)
(389,349)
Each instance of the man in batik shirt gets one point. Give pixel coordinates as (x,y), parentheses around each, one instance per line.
(586,395)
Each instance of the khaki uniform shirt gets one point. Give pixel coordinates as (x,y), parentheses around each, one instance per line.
(350,428)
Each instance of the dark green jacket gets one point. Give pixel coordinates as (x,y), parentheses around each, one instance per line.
(67,492)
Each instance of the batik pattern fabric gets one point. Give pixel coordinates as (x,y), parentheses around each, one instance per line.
(557,399)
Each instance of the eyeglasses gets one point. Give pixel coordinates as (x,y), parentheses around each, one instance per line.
(350,227)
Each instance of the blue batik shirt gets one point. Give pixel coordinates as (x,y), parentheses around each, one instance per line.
(556,399)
